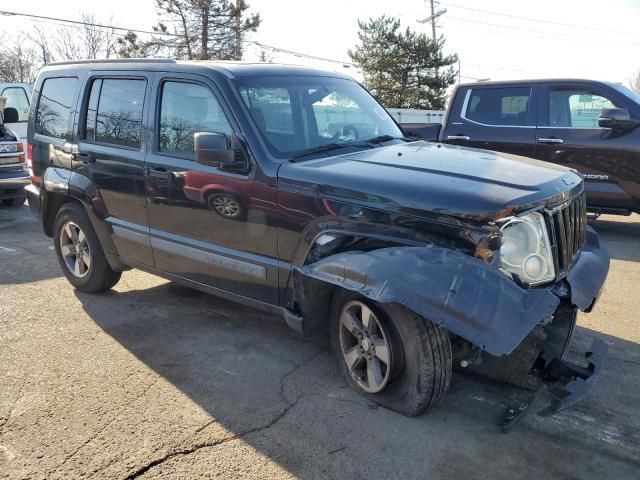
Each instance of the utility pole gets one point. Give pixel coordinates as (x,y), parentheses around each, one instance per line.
(433,20)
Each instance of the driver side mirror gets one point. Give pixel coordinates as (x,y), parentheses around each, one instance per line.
(614,117)
(215,149)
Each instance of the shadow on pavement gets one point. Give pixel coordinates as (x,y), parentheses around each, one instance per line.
(282,395)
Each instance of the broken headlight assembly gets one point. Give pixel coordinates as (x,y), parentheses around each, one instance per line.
(525,252)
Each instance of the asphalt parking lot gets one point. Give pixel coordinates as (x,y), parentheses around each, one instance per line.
(155,380)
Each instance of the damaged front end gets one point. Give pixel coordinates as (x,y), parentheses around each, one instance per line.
(483,305)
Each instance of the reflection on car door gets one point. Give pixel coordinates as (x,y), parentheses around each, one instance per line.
(495,118)
(208,225)
(568,134)
(111,151)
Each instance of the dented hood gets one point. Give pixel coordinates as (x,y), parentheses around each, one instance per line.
(422,177)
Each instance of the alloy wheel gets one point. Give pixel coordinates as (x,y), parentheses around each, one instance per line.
(75,249)
(365,346)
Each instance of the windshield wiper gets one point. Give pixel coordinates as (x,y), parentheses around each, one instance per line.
(357,143)
(328,148)
(385,138)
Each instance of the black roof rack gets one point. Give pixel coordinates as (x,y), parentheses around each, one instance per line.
(115,60)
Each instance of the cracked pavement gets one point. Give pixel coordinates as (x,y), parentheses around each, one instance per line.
(155,380)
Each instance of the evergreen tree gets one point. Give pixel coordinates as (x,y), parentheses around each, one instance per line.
(403,69)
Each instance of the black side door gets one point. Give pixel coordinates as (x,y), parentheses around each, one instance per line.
(568,134)
(111,151)
(499,118)
(209,225)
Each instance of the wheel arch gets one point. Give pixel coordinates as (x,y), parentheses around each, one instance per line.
(460,293)
(61,187)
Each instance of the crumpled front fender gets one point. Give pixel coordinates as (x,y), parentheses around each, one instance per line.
(459,292)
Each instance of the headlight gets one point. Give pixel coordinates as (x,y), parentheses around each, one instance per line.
(525,250)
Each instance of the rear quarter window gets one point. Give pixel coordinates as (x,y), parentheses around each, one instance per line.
(55,107)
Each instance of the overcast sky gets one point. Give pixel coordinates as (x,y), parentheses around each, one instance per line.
(603,41)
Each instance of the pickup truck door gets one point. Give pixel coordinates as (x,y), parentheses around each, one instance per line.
(568,134)
(493,117)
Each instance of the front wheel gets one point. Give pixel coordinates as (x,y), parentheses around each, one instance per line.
(391,355)
(79,251)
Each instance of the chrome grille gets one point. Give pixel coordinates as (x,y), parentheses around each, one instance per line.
(567,229)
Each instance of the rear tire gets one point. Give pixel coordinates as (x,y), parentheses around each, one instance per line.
(14,202)
(418,373)
(79,252)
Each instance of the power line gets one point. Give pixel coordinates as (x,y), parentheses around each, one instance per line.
(542,32)
(75,23)
(78,22)
(539,20)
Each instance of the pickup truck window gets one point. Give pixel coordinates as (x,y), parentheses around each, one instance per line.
(55,107)
(187,108)
(298,113)
(576,108)
(502,106)
(17,98)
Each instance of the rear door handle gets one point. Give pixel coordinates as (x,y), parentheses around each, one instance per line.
(551,140)
(83,157)
(458,137)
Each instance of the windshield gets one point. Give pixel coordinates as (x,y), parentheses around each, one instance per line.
(296,114)
(627,93)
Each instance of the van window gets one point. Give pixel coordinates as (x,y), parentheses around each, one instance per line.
(187,108)
(576,108)
(17,98)
(507,106)
(55,107)
(114,111)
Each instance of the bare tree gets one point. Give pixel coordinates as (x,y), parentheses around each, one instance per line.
(634,82)
(73,42)
(17,61)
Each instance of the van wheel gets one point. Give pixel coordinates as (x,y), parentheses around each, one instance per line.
(389,354)
(79,251)
(226,205)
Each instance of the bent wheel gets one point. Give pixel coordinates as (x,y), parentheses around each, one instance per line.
(389,354)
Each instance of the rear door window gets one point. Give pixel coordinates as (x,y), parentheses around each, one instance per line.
(114,112)
(55,107)
(17,98)
(503,106)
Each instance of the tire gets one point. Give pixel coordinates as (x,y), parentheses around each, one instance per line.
(420,358)
(96,275)
(14,202)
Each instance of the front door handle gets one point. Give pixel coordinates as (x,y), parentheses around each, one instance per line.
(552,140)
(160,172)
(458,137)
(83,157)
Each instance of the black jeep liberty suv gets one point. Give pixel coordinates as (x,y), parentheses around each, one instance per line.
(292,190)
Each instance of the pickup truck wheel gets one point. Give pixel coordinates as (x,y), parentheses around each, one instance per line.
(390,355)
(79,251)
